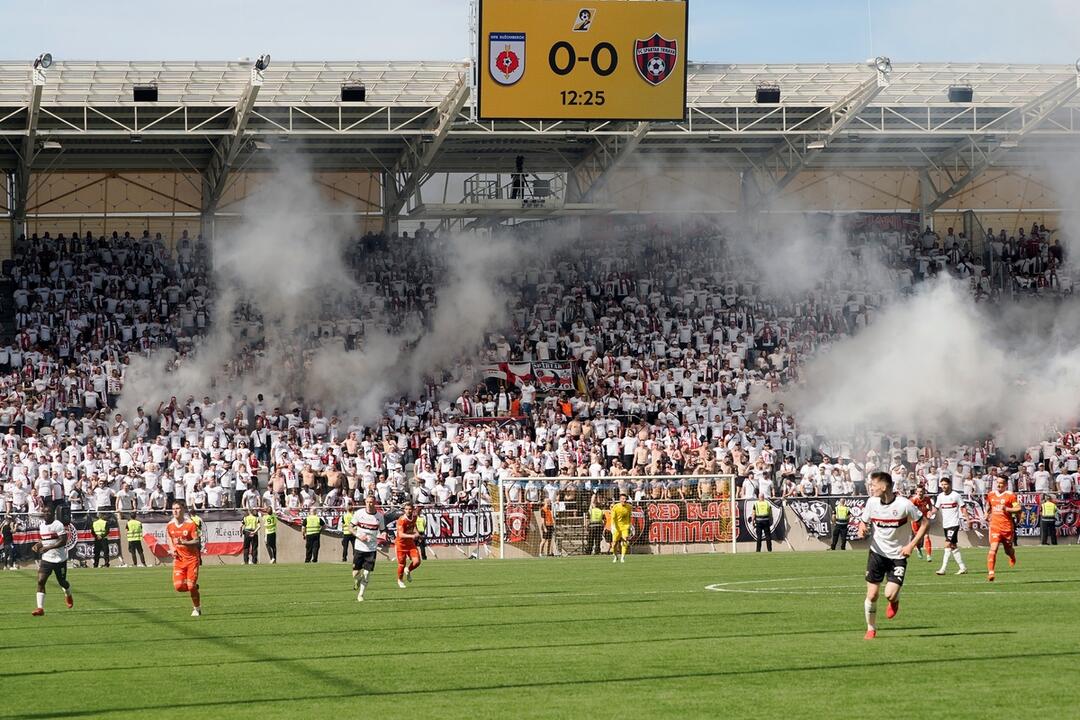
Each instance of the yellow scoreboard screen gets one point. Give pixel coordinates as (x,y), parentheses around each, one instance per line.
(582,59)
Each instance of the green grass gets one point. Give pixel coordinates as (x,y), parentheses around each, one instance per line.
(548,638)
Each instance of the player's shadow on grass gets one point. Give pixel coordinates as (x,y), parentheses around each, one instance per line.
(412,691)
(339,627)
(416,652)
(251,653)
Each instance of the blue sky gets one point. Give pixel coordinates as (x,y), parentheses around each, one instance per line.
(779,31)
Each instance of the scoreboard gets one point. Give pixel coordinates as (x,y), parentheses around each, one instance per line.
(582,59)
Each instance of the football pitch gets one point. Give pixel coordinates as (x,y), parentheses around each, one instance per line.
(762,636)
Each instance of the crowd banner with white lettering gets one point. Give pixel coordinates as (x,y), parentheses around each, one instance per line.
(553,375)
(451,525)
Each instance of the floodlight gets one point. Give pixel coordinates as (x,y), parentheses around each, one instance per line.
(883,64)
(51,145)
(1078,65)
(43,61)
(263,62)
(135,138)
(816,145)
(262,145)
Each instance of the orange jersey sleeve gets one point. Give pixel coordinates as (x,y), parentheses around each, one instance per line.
(187,531)
(404,525)
(1000,506)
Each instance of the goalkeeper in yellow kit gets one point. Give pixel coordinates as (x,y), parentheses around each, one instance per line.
(620,528)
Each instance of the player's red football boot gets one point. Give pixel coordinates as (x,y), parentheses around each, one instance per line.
(38,612)
(893,609)
(870,635)
(69,601)
(1012,562)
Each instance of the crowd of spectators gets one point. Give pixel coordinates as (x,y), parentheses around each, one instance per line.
(671,332)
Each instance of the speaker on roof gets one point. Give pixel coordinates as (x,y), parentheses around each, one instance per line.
(353,93)
(144,93)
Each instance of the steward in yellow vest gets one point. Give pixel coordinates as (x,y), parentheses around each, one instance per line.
(134,540)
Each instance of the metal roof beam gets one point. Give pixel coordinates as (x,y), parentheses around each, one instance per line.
(1031,115)
(838,116)
(592,173)
(26,157)
(414,166)
(228,149)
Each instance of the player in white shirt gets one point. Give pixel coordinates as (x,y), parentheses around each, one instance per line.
(53,548)
(367,523)
(887,515)
(950,505)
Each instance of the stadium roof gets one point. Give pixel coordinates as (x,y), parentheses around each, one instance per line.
(416,119)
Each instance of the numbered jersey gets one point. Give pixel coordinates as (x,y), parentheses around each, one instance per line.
(888,524)
(999,505)
(949,506)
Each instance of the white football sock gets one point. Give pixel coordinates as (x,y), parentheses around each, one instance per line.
(41,601)
(870,610)
(959,561)
(945,560)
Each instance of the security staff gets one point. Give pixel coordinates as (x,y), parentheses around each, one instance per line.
(249,528)
(763,521)
(346,532)
(270,526)
(101,539)
(421,540)
(313,525)
(1048,515)
(594,527)
(134,539)
(841,514)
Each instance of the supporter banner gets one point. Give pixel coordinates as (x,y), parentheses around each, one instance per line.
(870,225)
(458,526)
(510,373)
(816,514)
(1068,523)
(517,521)
(221,534)
(747,530)
(677,522)
(553,375)
(80,545)
(444,525)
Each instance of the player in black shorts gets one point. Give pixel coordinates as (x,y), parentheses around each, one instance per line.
(886,516)
(53,549)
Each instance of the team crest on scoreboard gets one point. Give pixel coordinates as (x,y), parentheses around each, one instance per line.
(506,53)
(584,19)
(655,58)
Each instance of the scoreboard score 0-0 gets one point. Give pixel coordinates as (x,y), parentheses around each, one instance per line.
(582,59)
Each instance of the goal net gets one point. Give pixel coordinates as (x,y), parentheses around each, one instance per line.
(570,515)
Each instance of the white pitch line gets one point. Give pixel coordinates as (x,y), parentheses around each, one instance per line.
(924,588)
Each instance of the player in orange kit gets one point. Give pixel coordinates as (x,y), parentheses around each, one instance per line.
(926,506)
(183,535)
(405,544)
(1001,507)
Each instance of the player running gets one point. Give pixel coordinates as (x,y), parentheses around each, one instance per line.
(1001,507)
(184,543)
(620,528)
(926,506)
(887,514)
(951,506)
(405,544)
(367,523)
(54,557)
